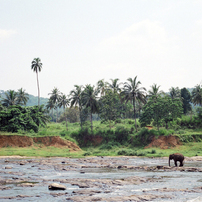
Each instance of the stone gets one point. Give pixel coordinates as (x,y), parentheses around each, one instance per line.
(56,186)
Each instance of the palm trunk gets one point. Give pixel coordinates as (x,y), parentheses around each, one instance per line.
(135,114)
(91,123)
(80,117)
(38,89)
(65,118)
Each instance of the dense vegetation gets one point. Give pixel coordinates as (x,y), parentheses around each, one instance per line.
(117,112)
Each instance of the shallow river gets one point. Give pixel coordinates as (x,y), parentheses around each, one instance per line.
(41,172)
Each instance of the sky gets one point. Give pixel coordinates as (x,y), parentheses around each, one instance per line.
(81,42)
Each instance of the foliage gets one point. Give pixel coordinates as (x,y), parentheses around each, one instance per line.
(90,101)
(161,110)
(134,93)
(110,107)
(36,66)
(16,118)
(197,95)
(186,99)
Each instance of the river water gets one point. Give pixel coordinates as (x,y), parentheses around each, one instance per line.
(42,172)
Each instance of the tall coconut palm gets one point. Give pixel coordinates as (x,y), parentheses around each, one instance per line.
(55,96)
(175,93)
(36,67)
(89,99)
(50,105)
(102,86)
(133,92)
(197,95)
(23,97)
(63,102)
(154,92)
(114,85)
(76,99)
(10,98)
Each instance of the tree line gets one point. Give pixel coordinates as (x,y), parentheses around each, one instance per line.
(115,100)
(110,101)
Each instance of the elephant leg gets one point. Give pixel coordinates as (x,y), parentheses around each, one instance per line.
(176,163)
(181,163)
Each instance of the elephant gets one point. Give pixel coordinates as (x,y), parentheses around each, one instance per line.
(177,157)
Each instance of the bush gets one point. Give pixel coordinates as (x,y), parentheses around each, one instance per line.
(127,152)
(109,145)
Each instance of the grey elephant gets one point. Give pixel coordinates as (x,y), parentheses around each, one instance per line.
(177,157)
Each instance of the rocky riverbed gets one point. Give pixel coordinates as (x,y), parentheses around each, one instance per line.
(100,179)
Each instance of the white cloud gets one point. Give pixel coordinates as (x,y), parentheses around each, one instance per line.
(142,41)
(4,34)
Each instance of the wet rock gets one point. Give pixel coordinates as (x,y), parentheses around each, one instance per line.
(25,185)
(8,167)
(137,198)
(89,192)
(58,194)
(55,186)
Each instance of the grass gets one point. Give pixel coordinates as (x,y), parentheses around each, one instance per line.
(59,129)
(39,152)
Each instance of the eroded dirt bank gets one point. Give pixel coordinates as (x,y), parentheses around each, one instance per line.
(24,141)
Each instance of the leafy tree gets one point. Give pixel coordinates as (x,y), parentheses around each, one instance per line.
(110,107)
(22,96)
(197,95)
(89,100)
(36,67)
(16,117)
(133,92)
(186,99)
(11,98)
(76,100)
(72,114)
(161,110)
(55,97)
(63,102)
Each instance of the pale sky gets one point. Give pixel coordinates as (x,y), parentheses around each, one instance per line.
(83,41)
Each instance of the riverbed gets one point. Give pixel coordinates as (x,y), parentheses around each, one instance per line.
(100,179)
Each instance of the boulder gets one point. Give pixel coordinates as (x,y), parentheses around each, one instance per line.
(56,186)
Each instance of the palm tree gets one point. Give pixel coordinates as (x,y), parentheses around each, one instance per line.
(154,92)
(10,98)
(76,99)
(175,93)
(23,97)
(36,67)
(197,95)
(114,86)
(63,102)
(132,92)
(102,86)
(55,96)
(89,99)
(50,105)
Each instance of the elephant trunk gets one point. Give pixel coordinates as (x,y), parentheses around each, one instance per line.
(169,161)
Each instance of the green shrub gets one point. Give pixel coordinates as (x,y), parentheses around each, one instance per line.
(127,152)
(153,151)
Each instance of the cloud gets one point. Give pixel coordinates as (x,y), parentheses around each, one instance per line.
(144,43)
(5,34)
